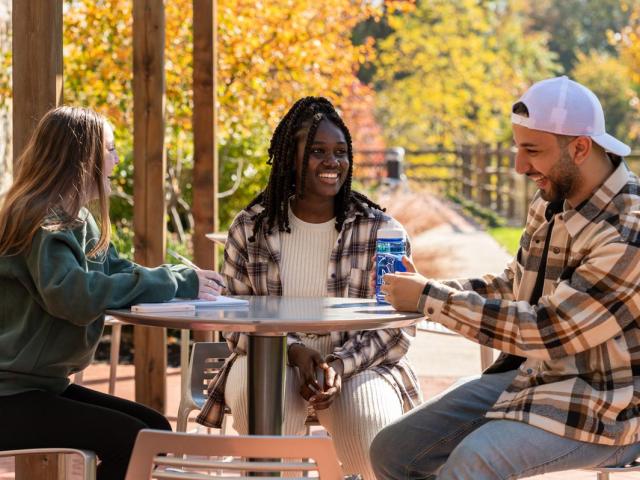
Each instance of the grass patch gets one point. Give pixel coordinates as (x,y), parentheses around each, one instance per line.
(485,216)
(508,237)
(495,225)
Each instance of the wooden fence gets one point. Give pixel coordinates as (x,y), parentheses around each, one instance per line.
(482,174)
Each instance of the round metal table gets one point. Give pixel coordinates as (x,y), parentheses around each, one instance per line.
(267,320)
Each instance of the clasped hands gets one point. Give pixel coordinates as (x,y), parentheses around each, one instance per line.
(401,289)
(309,361)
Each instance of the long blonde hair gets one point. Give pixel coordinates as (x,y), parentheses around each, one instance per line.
(55,177)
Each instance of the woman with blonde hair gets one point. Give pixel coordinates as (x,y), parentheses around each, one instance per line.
(58,274)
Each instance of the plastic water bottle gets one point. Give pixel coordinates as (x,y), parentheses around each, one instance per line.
(390,247)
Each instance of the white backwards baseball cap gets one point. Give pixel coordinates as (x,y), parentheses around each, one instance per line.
(564,107)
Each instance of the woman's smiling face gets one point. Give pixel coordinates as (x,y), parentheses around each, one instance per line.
(328,162)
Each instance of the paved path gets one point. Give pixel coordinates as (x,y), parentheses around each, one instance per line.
(463,249)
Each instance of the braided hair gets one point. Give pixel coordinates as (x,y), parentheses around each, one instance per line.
(303,117)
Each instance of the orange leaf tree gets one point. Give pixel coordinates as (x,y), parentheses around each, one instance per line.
(628,41)
(269,54)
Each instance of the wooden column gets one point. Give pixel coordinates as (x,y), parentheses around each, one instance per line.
(149,176)
(205,164)
(468,175)
(37,65)
(483,195)
(37,87)
(43,466)
(511,210)
(500,170)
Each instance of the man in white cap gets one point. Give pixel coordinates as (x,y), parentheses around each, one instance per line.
(565,392)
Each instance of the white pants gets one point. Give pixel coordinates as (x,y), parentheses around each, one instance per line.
(366,404)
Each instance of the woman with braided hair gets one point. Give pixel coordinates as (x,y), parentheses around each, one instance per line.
(308,234)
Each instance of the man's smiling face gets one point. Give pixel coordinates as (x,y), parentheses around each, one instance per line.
(545,159)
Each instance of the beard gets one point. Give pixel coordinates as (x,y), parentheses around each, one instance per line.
(564,178)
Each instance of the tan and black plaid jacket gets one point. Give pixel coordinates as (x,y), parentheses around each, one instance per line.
(253,269)
(581,377)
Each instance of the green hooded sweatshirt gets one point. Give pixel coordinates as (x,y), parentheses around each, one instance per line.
(53,298)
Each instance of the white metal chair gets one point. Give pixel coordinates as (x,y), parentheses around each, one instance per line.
(206,360)
(176,455)
(114,353)
(86,467)
(603,472)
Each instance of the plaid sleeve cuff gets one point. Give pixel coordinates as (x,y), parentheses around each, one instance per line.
(294,339)
(433,297)
(424,296)
(348,362)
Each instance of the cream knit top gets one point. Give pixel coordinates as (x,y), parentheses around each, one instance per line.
(304,259)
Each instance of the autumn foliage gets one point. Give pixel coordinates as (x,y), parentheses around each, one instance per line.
(450,71)
(269,54)
(629,42)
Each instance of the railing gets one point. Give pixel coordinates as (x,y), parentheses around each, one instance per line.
(482,174)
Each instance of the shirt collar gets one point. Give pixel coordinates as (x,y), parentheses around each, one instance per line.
(353,212)
(578,218)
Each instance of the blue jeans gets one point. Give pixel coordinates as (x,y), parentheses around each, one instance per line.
(450,438)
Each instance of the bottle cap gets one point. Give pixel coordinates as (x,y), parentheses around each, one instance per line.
(391,233)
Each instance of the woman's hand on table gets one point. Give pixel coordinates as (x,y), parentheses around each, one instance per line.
(403,289)
(209,284)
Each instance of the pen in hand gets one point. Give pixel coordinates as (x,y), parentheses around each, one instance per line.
(189,263)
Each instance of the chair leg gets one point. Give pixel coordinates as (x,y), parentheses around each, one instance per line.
(183,418)
(77,377)
(305,473)
(185,336)
(603,476)
(486,357)
(223,427)
(114,356)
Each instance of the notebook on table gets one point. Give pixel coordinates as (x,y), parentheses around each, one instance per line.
(188,304)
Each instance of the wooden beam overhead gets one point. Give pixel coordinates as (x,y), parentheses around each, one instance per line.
(37,65)
(149,176)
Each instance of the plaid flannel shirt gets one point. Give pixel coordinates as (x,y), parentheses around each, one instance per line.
(581,340)
(253,269)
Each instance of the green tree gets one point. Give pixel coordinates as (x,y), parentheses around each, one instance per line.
(628,42)
(610,79)
(576,26)
(451,70)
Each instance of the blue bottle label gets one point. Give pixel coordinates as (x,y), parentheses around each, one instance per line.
(387,263)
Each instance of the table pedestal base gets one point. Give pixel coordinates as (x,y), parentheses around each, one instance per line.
(267,366)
